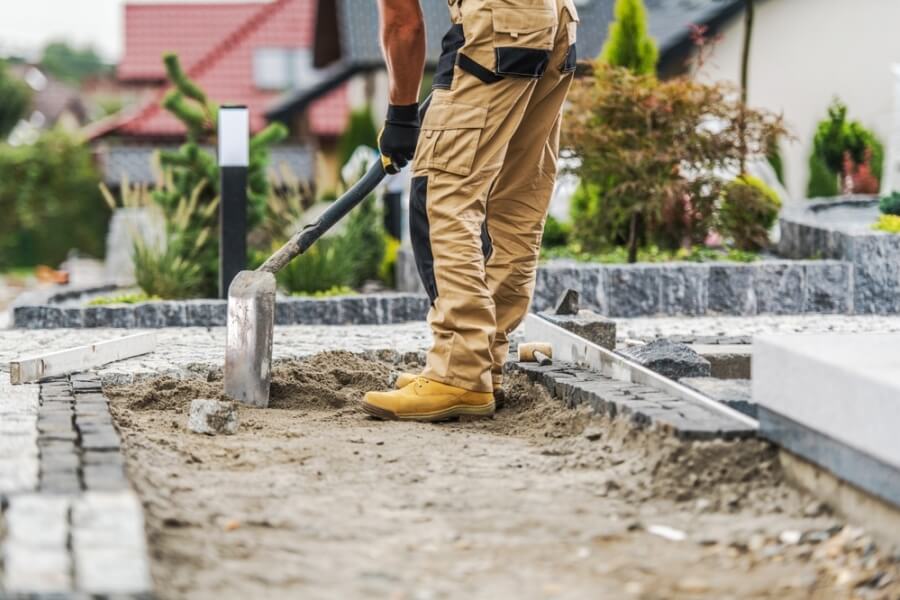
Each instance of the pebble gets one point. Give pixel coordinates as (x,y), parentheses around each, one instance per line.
(790,537)
(593,434)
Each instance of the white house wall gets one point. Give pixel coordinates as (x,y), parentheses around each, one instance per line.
(806,52)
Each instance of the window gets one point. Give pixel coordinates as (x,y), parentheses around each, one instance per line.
(283,68)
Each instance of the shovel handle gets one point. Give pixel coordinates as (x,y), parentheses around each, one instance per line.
(306,237)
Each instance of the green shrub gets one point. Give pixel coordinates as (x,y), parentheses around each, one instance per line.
(387,268)
(837,138)
(650,254)
(324,266)
(556,233)
(122,299)
(628,43)
(190,166)
(823,183)
(888,223)
(642,142)
(15,97)
(363,242)
(360,132)
(338,290)
(890,205)
(776,160)
(749,209)
(49,202)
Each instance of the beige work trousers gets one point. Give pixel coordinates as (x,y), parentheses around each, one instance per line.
(483,174)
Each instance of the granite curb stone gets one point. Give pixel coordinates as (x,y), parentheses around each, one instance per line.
(642,405)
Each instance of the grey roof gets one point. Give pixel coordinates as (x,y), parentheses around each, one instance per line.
(135,162)
(358,25)
(669,21)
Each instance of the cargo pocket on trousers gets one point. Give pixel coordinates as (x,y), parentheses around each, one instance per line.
(571,60)
(450,137)
(523,40)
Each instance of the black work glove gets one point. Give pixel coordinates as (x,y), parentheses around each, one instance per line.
(397,141)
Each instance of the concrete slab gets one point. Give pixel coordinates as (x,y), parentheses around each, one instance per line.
(843,390)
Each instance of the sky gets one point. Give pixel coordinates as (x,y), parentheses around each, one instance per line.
(27,25)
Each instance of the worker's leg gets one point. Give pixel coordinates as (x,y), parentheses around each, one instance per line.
(517,205)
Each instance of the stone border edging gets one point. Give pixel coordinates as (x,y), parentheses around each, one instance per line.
(364,309)
(694,289)
(874,255)
(643,406)
(78,530)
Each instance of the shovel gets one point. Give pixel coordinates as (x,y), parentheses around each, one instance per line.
(251,297)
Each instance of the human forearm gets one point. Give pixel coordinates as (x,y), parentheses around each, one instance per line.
(403,42)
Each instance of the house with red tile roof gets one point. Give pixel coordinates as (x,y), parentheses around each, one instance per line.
(249,53)
(306,63)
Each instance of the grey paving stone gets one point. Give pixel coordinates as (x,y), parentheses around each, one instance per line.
(108,544)
(212,417)
(587,324)
(780,287)
(669,359)
(735,393)
(633,290)
(60,462)
(684,289)
(100,441)
(731,289)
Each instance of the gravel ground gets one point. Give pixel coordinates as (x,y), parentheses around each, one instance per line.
(313,499)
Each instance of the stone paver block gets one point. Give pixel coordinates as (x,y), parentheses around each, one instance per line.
(108,544)
(633,290)
(35,553)
(684,289)
(780,287)
(669,359)
(587,324)
(211,417)
(731,289)
(735,393)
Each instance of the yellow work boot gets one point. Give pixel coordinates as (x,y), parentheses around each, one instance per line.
(427,400)
(404,379)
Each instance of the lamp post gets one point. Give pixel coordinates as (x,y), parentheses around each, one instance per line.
(234,158)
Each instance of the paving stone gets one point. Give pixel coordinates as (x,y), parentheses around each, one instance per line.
(587,324)
(780,287)
(633,290)
(104,477)
(735,393)
(670,360)
(684,289)
(108,457)
(108,544)
(34,572)
(100,441)
(211,417)
(731,289)
(60,462)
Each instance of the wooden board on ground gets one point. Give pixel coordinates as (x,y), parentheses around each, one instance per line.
(34,368)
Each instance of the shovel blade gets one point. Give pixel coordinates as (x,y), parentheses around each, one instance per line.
(248,338)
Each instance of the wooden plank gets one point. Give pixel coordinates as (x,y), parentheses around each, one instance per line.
(569,347)
(34,368)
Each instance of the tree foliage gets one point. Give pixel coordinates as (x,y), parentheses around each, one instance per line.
(15,98)
(749,210)
(654,148)
(836,139)
(360,132)
(191,168)
(72,64)
(629,43)
(49,202)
